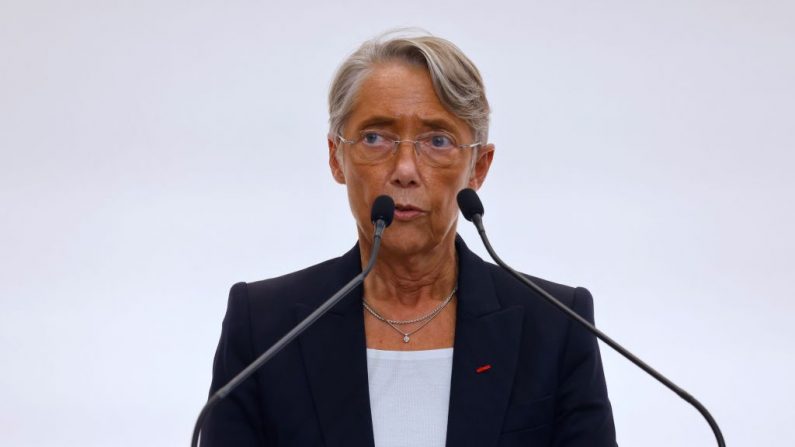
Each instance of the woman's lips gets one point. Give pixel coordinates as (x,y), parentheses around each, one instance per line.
(407,212)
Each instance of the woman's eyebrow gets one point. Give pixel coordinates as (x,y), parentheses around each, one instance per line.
(377,121)
(430,123)
(439,123)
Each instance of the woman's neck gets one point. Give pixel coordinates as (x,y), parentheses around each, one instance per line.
(404,284)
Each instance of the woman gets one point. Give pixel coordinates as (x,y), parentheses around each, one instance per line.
(438,347)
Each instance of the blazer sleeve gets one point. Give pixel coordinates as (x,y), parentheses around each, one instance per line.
(235,420)
(583,416)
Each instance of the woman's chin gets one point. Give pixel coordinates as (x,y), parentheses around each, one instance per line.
(408,241)
(404,242)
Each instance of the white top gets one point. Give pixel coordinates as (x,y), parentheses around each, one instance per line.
(409,396)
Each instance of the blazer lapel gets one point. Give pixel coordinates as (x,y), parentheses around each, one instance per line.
(485,356)
(334,352)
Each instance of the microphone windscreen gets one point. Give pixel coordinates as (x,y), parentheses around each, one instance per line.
(383,209)
(470,203)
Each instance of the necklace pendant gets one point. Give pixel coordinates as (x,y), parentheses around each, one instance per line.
(406,338)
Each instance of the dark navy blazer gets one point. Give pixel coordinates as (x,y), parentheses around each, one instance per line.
(545,386)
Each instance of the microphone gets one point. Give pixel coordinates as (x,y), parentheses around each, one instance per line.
(382,212)
(472,209)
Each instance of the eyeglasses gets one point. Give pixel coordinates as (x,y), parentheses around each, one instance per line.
(438,149)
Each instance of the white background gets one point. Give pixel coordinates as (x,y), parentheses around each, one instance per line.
(156,152)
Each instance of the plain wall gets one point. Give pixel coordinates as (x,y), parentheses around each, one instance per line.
(156,152)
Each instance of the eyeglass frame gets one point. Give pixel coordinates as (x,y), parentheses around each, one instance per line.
(396,143)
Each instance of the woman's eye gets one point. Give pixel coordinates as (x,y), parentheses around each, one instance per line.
(441,141)
(372,138)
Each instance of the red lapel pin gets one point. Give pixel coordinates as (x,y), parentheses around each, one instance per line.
(483,368)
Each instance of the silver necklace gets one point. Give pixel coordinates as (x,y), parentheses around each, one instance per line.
(425,319)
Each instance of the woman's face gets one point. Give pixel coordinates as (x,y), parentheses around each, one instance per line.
(398,99)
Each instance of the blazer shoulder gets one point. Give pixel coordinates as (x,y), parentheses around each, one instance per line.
(267,306)
(512,292)
(292,287)
(293,278)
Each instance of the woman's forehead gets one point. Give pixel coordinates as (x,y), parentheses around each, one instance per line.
(400,94)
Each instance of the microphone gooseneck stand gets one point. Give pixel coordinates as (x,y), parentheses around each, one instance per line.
(472,209)
(382,214)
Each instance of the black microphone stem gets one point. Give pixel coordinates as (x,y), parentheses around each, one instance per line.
(477,219)
(380,225)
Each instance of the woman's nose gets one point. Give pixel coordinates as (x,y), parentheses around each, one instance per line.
(406,158)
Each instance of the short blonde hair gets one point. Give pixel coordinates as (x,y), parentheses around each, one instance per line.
(456,80)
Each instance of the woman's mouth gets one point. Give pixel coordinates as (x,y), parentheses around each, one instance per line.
(407,212)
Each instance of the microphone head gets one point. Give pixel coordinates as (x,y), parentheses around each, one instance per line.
(383,209)
(469,203)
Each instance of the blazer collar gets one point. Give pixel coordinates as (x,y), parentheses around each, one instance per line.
(476,295)
(487,336)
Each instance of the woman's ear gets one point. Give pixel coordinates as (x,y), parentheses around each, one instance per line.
(335,161)
(480,169)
